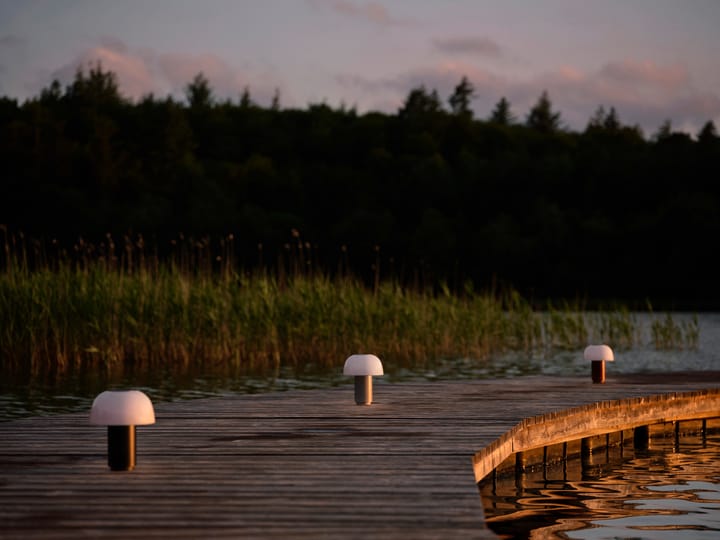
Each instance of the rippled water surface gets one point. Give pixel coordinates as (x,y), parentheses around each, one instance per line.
(669,491)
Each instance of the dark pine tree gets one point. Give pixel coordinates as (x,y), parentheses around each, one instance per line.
(542,117)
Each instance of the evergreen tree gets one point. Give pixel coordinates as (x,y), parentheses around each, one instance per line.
(97,88)
(198,92)
(52,94)
(612,123)
(275,105)
(605,121)
(501,114)
(542,117)
(461,97)
(457,194)
(664,131)
(419,102)
(597,120)
(708,133)
(245,99)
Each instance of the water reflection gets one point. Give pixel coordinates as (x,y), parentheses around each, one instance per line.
(33,394)
(671,490)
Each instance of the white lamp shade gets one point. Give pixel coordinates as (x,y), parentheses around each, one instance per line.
(363,365)
(122,408)
(599,352)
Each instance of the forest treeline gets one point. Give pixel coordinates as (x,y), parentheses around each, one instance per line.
(429,195)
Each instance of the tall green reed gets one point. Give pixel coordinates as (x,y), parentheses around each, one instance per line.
(119,304)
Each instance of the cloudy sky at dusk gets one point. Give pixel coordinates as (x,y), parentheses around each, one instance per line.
(651,59)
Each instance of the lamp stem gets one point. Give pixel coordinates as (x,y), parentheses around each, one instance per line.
(598,371)
(363,389)
(121,448)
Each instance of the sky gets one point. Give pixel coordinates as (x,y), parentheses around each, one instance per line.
(652,60)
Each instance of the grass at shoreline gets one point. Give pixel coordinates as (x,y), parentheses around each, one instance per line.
(69,316)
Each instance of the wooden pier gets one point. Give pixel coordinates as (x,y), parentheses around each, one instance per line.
(297,464)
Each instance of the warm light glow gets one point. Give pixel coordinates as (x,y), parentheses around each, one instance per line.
(122,408)
(363,365)
(599,352)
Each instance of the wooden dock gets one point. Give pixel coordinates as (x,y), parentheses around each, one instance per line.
(297,464)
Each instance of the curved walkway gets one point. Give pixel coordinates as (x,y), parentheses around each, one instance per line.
(300,464)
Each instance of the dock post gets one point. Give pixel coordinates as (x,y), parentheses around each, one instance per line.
(641,438)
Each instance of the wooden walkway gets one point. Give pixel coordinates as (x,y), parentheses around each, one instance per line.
(299,464)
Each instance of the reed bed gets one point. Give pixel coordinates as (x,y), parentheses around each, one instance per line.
(107,305)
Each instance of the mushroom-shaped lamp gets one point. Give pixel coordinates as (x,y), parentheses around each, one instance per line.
(598,355)
(121,411)
(363,367)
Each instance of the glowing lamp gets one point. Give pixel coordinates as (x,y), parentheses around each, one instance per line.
(121,411)
(598,355)
(363,367)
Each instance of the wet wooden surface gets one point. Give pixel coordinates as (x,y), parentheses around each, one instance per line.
(297,464)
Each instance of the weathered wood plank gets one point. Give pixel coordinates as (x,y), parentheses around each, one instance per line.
(298,464)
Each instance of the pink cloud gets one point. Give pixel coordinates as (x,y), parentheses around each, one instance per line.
(389,93)
(631,72)
(571,74)
(643,93)
(180,69)
(134,76)
(144,71)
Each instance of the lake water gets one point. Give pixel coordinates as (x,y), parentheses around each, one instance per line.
(669,491)
(28,394)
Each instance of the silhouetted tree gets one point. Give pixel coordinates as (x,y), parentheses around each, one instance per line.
(665,131)
(542,117)
(460,99)
(96,89)
(597,120)
(51,94)
(245,99)
(605,121)
(275,105)
(501,114)
(708,133)
(442,192)
(612,123)
(419,101)
(198,93)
